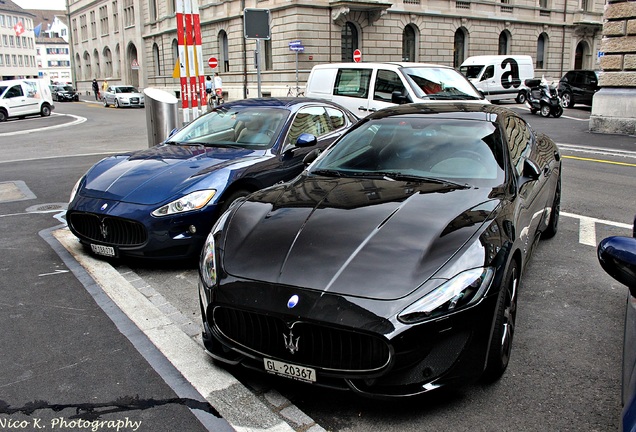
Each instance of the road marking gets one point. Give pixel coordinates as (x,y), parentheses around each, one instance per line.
(600,161)
(78,120)
(587,227)
(53,273)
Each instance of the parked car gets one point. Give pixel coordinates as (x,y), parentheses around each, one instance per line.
(161,202)
(367,87)
(24,97)
(617,256)
(392,265)
(578,87)
(62,93)
(499,77)
(123,96)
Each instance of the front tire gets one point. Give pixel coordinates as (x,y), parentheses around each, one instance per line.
(227,202)
(116,103)
(503,332)
(558,111)
(3,115)
(545,110)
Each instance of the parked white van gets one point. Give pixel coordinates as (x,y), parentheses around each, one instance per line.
(367,87)
(499,77)
(23,97)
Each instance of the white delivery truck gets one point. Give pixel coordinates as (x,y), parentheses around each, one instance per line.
(23,97)
(499,77)
(367,87)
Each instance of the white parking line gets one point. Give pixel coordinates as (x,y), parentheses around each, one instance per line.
(587,227)
(78,120)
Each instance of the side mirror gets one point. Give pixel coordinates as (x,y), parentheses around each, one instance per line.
(617,256)
(306,140)
(398,98)
(531,172)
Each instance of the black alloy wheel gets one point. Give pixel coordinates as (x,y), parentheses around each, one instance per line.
(558,111)
(567,101)
(505,316)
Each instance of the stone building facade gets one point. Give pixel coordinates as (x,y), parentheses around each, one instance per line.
(614,108)
(135,41)
(17,48)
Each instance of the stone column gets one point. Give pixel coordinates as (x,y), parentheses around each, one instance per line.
(614,106)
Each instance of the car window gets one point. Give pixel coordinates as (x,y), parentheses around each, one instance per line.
(439,83)
(337,118)
(386,82)
(488,73)
(471,71)
(15,91)
(519,138)
(352,83)
(312,120)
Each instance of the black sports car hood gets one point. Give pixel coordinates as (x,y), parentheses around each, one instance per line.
(151,176)
(377,239)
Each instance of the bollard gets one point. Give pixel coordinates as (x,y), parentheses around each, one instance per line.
(161,115)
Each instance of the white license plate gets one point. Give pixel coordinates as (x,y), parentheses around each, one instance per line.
(296,372)
(108,251)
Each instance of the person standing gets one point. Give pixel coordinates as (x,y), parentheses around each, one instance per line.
(104,86)
(96,89)
(218,85)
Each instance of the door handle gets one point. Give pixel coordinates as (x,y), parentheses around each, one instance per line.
(361,108)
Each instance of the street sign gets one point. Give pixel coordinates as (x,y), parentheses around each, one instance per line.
(134,65)
(357,56)
(296,45)
(213,62)
(256,22)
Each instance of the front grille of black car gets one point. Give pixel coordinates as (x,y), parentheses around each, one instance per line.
(109,230)
(317,345)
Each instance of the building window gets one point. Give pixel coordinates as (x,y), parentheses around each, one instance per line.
(175,52)
(157,59)
(5,40)
(129,13)
(153,10)
(11,41)
(408,44)
(505,6)
(108,62)
(504,43)
(74,28)
(93,25)
(586,5)
(103,20)
(83,28)
(542,44)
(17,42)
(225,52)
(2,22)
(115,17)
(459,47)
(349,41)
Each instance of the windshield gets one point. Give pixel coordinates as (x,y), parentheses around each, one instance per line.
(437,83)
(458,151)
(471,72)
(64,88)
(234,126)
(126,90)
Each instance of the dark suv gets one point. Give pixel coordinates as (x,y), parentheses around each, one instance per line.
(578,87)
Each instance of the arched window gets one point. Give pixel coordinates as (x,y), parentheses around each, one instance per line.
(175,52)
(117,62)
(582,56)
(224,61)
(156,59)
(87,66)
(504,43)
(459,47)
(78,66)
(97,65)
(542,46)
(349,41)
(108,62)
(409,41)
(153,10)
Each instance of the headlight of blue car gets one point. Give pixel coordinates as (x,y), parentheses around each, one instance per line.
(190,202)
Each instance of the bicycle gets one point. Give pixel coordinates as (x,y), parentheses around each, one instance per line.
(215,99)
(294,92)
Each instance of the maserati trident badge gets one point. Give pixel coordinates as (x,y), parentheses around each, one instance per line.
(104,207)
(292,302)
(291,346)
(103,229)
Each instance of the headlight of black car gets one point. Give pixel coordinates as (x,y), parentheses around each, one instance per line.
(460,291)
(207,264)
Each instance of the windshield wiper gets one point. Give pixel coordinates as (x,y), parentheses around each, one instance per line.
(327,172)
(396,175)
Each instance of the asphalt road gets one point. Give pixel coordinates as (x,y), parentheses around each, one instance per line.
(63,347)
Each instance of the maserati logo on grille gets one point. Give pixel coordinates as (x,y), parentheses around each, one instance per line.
(292,302)
(104,207)
(104,230)
(291,346)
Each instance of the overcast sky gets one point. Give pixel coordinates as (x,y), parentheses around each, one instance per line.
(41,4)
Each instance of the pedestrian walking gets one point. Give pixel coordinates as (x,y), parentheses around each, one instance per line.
(104,86)
(96,89)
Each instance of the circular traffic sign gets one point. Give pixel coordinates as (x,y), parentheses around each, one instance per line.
(213,62)
(357,56)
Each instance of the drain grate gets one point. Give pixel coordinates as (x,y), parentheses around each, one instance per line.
(50,207)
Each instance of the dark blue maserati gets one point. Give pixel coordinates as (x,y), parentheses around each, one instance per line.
(161,202)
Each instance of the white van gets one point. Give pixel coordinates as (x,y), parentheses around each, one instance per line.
(367,87)
(499,77)
(23,97)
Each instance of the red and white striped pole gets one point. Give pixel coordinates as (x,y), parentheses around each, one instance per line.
(199,51)
(181,43)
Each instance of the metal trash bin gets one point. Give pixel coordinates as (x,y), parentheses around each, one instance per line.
(162,113)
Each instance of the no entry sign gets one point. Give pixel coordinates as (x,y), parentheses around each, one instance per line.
(213,62)
(357,56)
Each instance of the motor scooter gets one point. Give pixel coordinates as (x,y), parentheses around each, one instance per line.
(543,98)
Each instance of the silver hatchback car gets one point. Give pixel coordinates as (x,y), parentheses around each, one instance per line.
(123,96)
